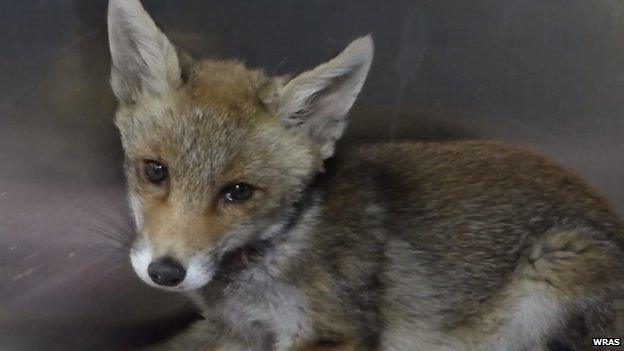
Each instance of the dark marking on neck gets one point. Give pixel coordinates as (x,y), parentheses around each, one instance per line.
(240,258)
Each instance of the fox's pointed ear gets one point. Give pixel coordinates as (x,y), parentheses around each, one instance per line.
(144,60)
(317,101)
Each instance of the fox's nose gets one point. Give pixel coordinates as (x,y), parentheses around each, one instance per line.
(166,271)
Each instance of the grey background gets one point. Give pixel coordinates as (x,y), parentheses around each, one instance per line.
(546,74)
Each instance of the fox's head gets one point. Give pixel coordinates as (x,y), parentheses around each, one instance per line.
(217,155)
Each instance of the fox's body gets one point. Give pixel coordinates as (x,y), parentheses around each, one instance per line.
(242,202)
(424,247)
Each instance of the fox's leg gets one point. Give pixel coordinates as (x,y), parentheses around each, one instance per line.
(206,335)
(339,347)
(201,335)
(567,274)
(334,348)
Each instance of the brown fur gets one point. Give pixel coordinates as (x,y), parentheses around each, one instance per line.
(395,246)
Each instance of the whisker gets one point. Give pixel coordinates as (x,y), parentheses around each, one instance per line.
(104,218)
(122,210)
(120,238)
(116,228)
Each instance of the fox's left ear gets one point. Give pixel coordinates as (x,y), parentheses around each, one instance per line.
(317,101)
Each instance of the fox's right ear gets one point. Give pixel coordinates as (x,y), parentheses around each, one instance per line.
(143,60)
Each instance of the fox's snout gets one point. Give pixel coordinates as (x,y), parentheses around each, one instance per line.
(168,272)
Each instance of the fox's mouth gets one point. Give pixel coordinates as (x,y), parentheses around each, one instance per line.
(199,271)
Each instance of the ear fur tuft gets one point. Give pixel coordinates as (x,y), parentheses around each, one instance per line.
(317,101)
(143,59)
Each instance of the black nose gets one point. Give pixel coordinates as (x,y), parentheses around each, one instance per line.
(166,271)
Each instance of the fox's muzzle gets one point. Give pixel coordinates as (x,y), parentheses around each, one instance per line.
(169,273)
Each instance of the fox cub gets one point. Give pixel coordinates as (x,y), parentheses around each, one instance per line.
(284,242)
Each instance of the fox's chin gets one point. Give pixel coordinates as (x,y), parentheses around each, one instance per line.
(198,271)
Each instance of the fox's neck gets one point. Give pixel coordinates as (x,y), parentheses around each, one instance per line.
(281,238)
(309,198)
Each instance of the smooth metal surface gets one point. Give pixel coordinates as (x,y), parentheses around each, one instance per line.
(545,74)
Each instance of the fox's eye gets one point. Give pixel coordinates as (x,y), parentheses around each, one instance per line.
(238,192)
(155,172)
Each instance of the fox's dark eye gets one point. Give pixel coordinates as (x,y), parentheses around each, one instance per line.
(155,172)
(238,192)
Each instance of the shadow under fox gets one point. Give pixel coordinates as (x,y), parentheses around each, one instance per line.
(242,202)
